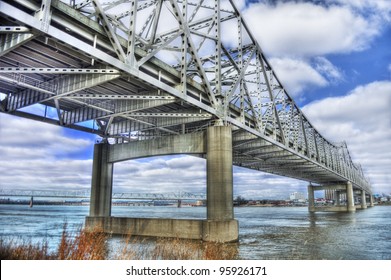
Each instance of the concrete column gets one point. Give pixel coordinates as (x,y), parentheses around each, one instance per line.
(220,225)
(101,183)
(338,198)
(350,197)
(371,200)
(311,198)
(363,200)
(219,173)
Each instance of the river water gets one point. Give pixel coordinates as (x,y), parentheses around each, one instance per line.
(264,232)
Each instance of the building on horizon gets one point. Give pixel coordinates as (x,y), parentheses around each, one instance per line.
(298,196)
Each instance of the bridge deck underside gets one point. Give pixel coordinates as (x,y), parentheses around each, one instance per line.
(126,103)
(259,154)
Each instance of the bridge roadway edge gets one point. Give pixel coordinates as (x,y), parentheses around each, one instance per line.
(220,225)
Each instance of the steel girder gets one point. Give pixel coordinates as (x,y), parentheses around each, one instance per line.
(96,60)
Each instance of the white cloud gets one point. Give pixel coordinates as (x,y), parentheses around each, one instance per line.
(30,139)
(307,29)
(327,69)
(363,119)
(187,173)
(36,155)
(380,7)
(297,36)
(161,174)
(297,75)
(258,185)
(44,174)
(239,4)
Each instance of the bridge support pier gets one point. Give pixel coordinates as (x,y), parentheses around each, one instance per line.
(101,183)
(363,200)
(219,225)
(348,188)
(371,204)
(337,198)
(350,197)
(311,198)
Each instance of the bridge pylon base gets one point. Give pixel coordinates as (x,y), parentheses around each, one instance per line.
(220,231)
(206,230)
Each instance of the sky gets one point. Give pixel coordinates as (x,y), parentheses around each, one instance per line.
(332,56)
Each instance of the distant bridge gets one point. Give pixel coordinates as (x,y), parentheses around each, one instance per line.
(87,194)
(159,77)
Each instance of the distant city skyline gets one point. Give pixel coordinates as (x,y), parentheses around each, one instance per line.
(333,57)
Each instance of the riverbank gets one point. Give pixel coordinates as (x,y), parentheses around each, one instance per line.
(93,245)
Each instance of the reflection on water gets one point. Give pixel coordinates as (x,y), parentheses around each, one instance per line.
(287,233)
(265,233)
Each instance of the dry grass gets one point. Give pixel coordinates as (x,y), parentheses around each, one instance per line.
(159,249)
(85,245)
(93,245)
(175,249)
(24,250)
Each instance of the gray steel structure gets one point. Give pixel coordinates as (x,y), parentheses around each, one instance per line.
(142,69)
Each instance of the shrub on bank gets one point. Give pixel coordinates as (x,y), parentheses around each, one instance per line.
(93,245)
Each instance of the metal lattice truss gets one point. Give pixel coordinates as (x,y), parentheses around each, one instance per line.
(136,69)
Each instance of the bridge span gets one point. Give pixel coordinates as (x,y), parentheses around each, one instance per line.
(158,77)
(87,194)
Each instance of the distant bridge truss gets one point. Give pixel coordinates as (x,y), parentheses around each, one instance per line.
(131,70)
(87,195)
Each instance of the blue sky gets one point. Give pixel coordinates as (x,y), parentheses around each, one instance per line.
(334,58)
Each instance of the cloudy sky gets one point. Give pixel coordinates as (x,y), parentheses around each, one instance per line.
(334,58)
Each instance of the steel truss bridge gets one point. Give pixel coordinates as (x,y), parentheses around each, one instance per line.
(87,195)
(130,70)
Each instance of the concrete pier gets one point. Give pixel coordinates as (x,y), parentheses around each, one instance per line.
(101,183)
(342,189)
(371,200)
(350,197)
(311,199)
(363,200)
(219,175)
(219,225)
(337,198)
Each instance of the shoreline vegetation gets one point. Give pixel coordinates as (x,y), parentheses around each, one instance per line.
(93,245)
